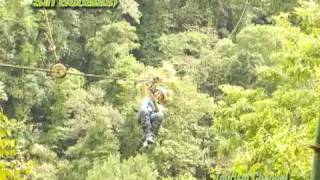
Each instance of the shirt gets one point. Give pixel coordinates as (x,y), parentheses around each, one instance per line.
(149,106)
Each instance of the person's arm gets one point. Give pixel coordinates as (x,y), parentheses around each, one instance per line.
(157,106)
(145,90)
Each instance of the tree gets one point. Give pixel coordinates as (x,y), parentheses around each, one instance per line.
(245,104)
(13,164)
(112,42)
(257,128)
(137,167)
(83,127)
(184,140)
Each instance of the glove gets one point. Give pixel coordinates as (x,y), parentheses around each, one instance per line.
(156,79)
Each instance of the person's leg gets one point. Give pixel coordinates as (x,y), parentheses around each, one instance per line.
(146,122)
(156,120)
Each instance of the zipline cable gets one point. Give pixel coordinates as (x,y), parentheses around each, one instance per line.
(25,67)
(240,19)
(50,38)
(70,73)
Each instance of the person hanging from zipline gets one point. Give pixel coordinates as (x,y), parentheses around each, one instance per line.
(151,111)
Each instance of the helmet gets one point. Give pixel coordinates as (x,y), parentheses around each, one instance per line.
(164,91)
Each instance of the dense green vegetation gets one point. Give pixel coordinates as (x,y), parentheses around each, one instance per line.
(243,102)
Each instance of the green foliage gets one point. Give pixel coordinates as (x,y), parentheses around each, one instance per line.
(266,133)
(11,164)
(82,127)
(244,105)
(137,167)
(308,17)
(261,47)
(18,30)
(48,165)
(188,43)
(110,43)
(120,88)
(273,6)
(165,17)
(265,130)
(213,62)
(131,8)
(185,145)
(212,69)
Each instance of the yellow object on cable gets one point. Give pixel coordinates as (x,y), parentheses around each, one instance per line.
(59,70)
